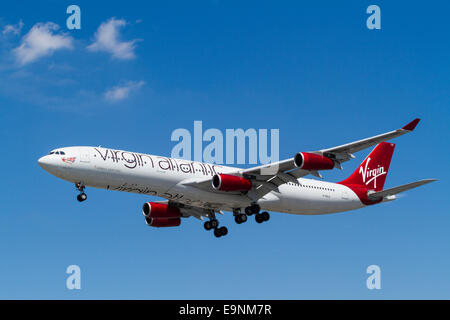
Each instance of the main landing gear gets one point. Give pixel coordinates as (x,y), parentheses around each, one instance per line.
(261,217)
(254,208)
(213,223)
(239,217)
(82,196)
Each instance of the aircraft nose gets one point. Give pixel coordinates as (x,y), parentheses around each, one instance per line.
(48,163)
(51,163)
(43,162)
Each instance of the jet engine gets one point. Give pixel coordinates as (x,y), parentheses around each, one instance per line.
(227,182)
(161,215)
(312,161)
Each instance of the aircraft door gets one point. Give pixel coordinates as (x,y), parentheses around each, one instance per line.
(85,156)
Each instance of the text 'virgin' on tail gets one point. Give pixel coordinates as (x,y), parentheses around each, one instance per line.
(372,172)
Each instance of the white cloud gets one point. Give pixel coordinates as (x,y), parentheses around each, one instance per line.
(118,93)
(14,29)
(107,39)
(41,41)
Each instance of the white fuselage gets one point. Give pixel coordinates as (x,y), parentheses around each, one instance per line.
(166,177)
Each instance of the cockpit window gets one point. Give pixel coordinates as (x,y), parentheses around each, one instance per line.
(62,152)
(58,152)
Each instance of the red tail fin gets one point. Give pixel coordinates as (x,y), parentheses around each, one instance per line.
(372,172)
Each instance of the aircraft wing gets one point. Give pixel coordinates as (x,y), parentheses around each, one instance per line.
(393,191)
(339,153)
(268,177)
(271,175)
(345,152)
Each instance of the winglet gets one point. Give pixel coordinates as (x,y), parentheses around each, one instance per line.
(410,126)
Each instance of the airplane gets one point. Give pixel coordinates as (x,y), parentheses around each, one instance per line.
(203,190)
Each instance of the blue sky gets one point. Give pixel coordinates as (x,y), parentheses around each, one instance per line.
(313,71)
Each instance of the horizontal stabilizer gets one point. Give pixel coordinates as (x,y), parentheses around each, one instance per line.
(393,191)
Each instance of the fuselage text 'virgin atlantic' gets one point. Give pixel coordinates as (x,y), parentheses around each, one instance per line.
(132,160)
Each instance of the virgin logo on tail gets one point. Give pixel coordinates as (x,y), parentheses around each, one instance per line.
(371,174)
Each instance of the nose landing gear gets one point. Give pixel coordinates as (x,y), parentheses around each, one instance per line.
(82,196)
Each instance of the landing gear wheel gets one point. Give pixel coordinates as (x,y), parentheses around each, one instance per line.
(248,211)
(223,230)
(82,197)
(217,232)
(265,215)
(255,208)
(80,187)
(214,223)
(259,218)
(207,225)
(240,218)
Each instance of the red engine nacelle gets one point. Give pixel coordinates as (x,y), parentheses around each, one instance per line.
(227,182)
(311,161)
(161,215)
(163,222)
